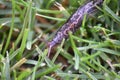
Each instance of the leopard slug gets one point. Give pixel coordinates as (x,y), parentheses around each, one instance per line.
(74,22)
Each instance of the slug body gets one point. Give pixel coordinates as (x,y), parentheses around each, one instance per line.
(74,22)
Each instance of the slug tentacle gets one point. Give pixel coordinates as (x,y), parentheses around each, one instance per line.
(74,22)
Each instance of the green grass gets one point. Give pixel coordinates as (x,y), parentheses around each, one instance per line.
(92,53)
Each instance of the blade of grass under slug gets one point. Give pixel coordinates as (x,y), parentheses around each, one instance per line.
(30,23)
(92,66)
(60,48)
(105,57)
(23,43)
(51,18)
(90,76)
(90,56)
(23,3)
(40,60)
(29,40)
(7,20)
(51,64)
(47,71)
(100,66)
(116,43)
(11,28)
(66,55)
(84,20)
(18,64)
(7,68)
(76,52)
(83,40)
(15,74)
(12,56)
(3,23)
(49,3)
(25,25)
(61,8)
(109,51)
(2,43)
(49,78)
(24,74)
(97,45)
(111,13)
